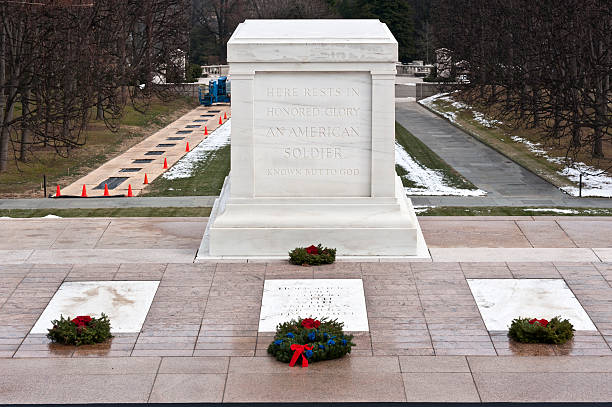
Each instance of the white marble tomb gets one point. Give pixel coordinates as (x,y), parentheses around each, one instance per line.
(125,302)
(341,299)
(313,135)
(502,300)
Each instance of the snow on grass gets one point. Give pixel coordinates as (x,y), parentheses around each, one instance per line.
(488,123)
(554,210)
(184,168)
(452,116)
(597,185)
(428,181)
(429,102)
(533,147)
(422,208)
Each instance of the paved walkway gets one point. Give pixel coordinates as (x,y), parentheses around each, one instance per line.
(239,379)
(176,239)
(208,201)
(200,341)
(147,157)
(483,166)
(89,203)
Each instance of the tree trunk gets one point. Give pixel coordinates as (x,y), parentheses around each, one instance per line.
(99,109)
(25,130)
(3,133)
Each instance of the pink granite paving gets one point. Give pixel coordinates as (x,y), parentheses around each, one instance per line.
(200,343)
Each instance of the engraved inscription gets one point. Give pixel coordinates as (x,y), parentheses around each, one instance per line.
(312,133)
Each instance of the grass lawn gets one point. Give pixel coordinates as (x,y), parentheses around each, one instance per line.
(207,178)
(427,158)
(511,211)
(204,212)
(25,179)
(106,212)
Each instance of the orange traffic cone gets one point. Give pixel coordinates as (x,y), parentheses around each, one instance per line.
(205,131)
(220,121)
(84,193)
(187,147)
(165,164)
(224,115)
(146,181)
(106,190)
(130,191)
(57,193)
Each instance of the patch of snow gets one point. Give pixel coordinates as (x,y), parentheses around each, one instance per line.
(488,123)
(597,185)
(422,209)
(50,216)
(533,147)
(555,210)
(215,140)
(429,181)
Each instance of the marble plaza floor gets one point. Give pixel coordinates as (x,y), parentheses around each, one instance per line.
(427,339)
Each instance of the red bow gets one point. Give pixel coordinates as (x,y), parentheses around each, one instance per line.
(542,321)
(298,350)
(82,320)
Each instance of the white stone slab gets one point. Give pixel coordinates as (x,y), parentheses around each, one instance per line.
(341,299)
(125,302)
(324,29)
(502,300)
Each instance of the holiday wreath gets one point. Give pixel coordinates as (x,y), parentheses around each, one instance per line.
(533,330)
(310,340)
(83,330)
(312,255)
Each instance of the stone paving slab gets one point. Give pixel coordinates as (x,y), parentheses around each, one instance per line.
(413,309)
(470,379)
(487,254)
(147,240)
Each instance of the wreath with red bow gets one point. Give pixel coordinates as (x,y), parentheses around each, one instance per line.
(310,340)
(312,255)
(82,330)
(533,330)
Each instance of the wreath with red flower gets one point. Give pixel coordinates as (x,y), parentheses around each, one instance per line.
(312,255)
(310,340)
(533,330)
(82,330)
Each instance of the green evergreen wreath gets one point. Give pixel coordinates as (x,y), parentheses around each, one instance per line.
(532,330)
(323,340)
(82,330)
(312,255)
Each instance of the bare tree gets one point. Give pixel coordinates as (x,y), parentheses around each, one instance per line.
(546,65)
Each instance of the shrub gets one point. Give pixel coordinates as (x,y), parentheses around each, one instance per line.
(531,330)
(193,72)
(324,340)
(82,330)
(312,255)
